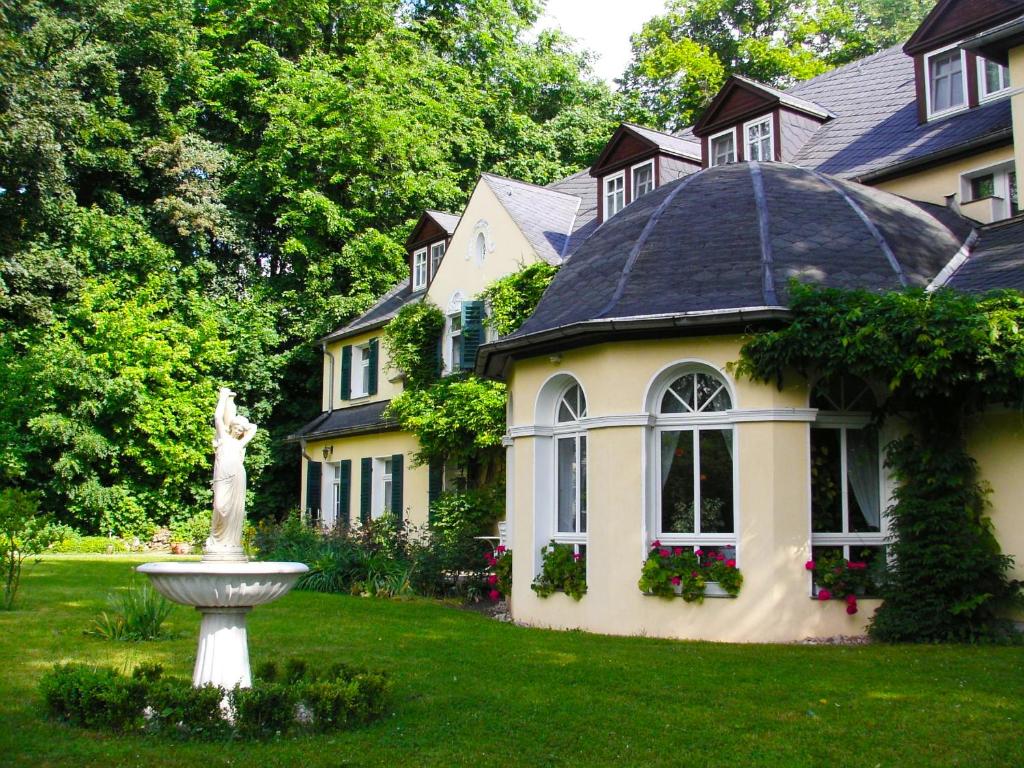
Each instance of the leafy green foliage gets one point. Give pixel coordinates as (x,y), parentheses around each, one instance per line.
(304,700)
(23,533)
(668,572)
(460,419)
(943,356)
(682,58)
(411,339)
(562,570)
(513,298)
(136,613)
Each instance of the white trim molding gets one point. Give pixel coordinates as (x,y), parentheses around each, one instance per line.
(739,416)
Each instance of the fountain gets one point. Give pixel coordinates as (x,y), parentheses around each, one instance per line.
(224,586)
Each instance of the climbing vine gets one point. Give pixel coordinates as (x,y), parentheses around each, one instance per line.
(411,340)
(513,298)
(944,356)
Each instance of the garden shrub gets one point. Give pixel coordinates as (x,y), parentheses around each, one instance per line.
(89,545)
(24,533)
(137,613)
(305,700)
(194,529)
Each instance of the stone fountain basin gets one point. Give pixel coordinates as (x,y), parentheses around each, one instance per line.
(223,584)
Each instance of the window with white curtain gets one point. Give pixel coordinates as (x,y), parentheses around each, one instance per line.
(571,469)
(695,484)
(846,473)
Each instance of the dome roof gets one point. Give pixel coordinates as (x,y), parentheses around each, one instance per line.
(724,243)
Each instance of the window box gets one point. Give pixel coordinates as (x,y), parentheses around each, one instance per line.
(690,574)
(563,569)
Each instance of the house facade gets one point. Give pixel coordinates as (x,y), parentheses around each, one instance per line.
(626,425)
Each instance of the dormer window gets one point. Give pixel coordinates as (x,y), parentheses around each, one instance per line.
(614,194)
(759,140)
(643,179)
(946,91)
(436,254)
(723,148)
(994,78)
(419,269)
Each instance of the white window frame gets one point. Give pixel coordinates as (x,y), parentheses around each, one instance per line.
(983,93)
(928,82)
(382,480)
(632,177)
(419,269)
(336,494)
(360,381)
(1001,173)
(693,423)
(730,132)
(605,181)
(765,120)
(571,430)
(436,254)
(453,333)
(844,421)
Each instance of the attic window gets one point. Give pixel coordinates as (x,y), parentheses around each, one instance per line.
(643,179)
(994,78)
(436,254)
(945,82)
(419,269)
(759,140)
(723,148)
(614,194)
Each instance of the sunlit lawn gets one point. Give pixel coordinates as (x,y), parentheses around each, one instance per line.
(470,691)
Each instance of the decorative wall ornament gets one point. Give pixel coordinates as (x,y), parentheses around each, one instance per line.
(480,243)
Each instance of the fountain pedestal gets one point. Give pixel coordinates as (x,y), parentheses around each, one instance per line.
(224,592)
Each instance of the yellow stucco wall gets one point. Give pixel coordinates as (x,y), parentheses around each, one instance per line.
(772,507)
(933,184)
(388,385)
(378,446)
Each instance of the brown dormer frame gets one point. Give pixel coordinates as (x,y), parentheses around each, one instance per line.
(951,21)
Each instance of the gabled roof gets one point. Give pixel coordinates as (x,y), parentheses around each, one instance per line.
(359,419)
(446,221)
(655,141)
(582,186)
(997,260)
(545,216)
(379,314)
(952,20)
(876,131)
(759,97)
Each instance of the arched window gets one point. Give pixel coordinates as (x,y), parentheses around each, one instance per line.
(846,473)
(694,493)
(481,247)
(571,467)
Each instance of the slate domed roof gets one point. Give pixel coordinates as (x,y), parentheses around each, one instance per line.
(721,245)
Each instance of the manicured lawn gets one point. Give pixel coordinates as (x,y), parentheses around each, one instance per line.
(470,691)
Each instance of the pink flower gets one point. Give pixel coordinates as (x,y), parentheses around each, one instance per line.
(856,565)
(851,608)
(693,574)
(655,544)
(500,550)
(676,581)
(677,550)
(699,553)
(824,594)
(492,579)
(851,598)
(576,556)
(730,563)
(495,595)
(809,565)
(664,552)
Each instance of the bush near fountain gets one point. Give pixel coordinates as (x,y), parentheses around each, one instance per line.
(299,701)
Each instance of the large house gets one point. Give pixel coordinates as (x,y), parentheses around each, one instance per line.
(625,425)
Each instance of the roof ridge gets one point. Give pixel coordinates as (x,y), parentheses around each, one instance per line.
(486,175)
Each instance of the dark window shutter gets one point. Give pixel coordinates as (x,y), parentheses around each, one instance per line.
(472,332)
(374,347)
(365,488)
(344,493)
(435,486)
(397,478)
(346,372)
(314,474)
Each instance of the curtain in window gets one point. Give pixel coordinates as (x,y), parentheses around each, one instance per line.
(567,485)
(862,471)
(669,443)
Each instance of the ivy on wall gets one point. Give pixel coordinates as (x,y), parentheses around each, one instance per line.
(513,298)
(944,357)
(411,340)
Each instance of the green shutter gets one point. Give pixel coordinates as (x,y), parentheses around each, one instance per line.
(435,486)
(346,372)
(397,476)
(314,474)
(344,493)
(472,332)
(374,346)
(365,489)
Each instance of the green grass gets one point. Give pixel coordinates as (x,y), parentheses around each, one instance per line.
(470,691)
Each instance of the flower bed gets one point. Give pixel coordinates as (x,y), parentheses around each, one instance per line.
(680,571)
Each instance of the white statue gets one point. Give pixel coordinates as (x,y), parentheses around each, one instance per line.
(233,433)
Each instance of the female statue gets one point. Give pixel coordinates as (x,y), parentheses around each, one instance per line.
(233,433)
